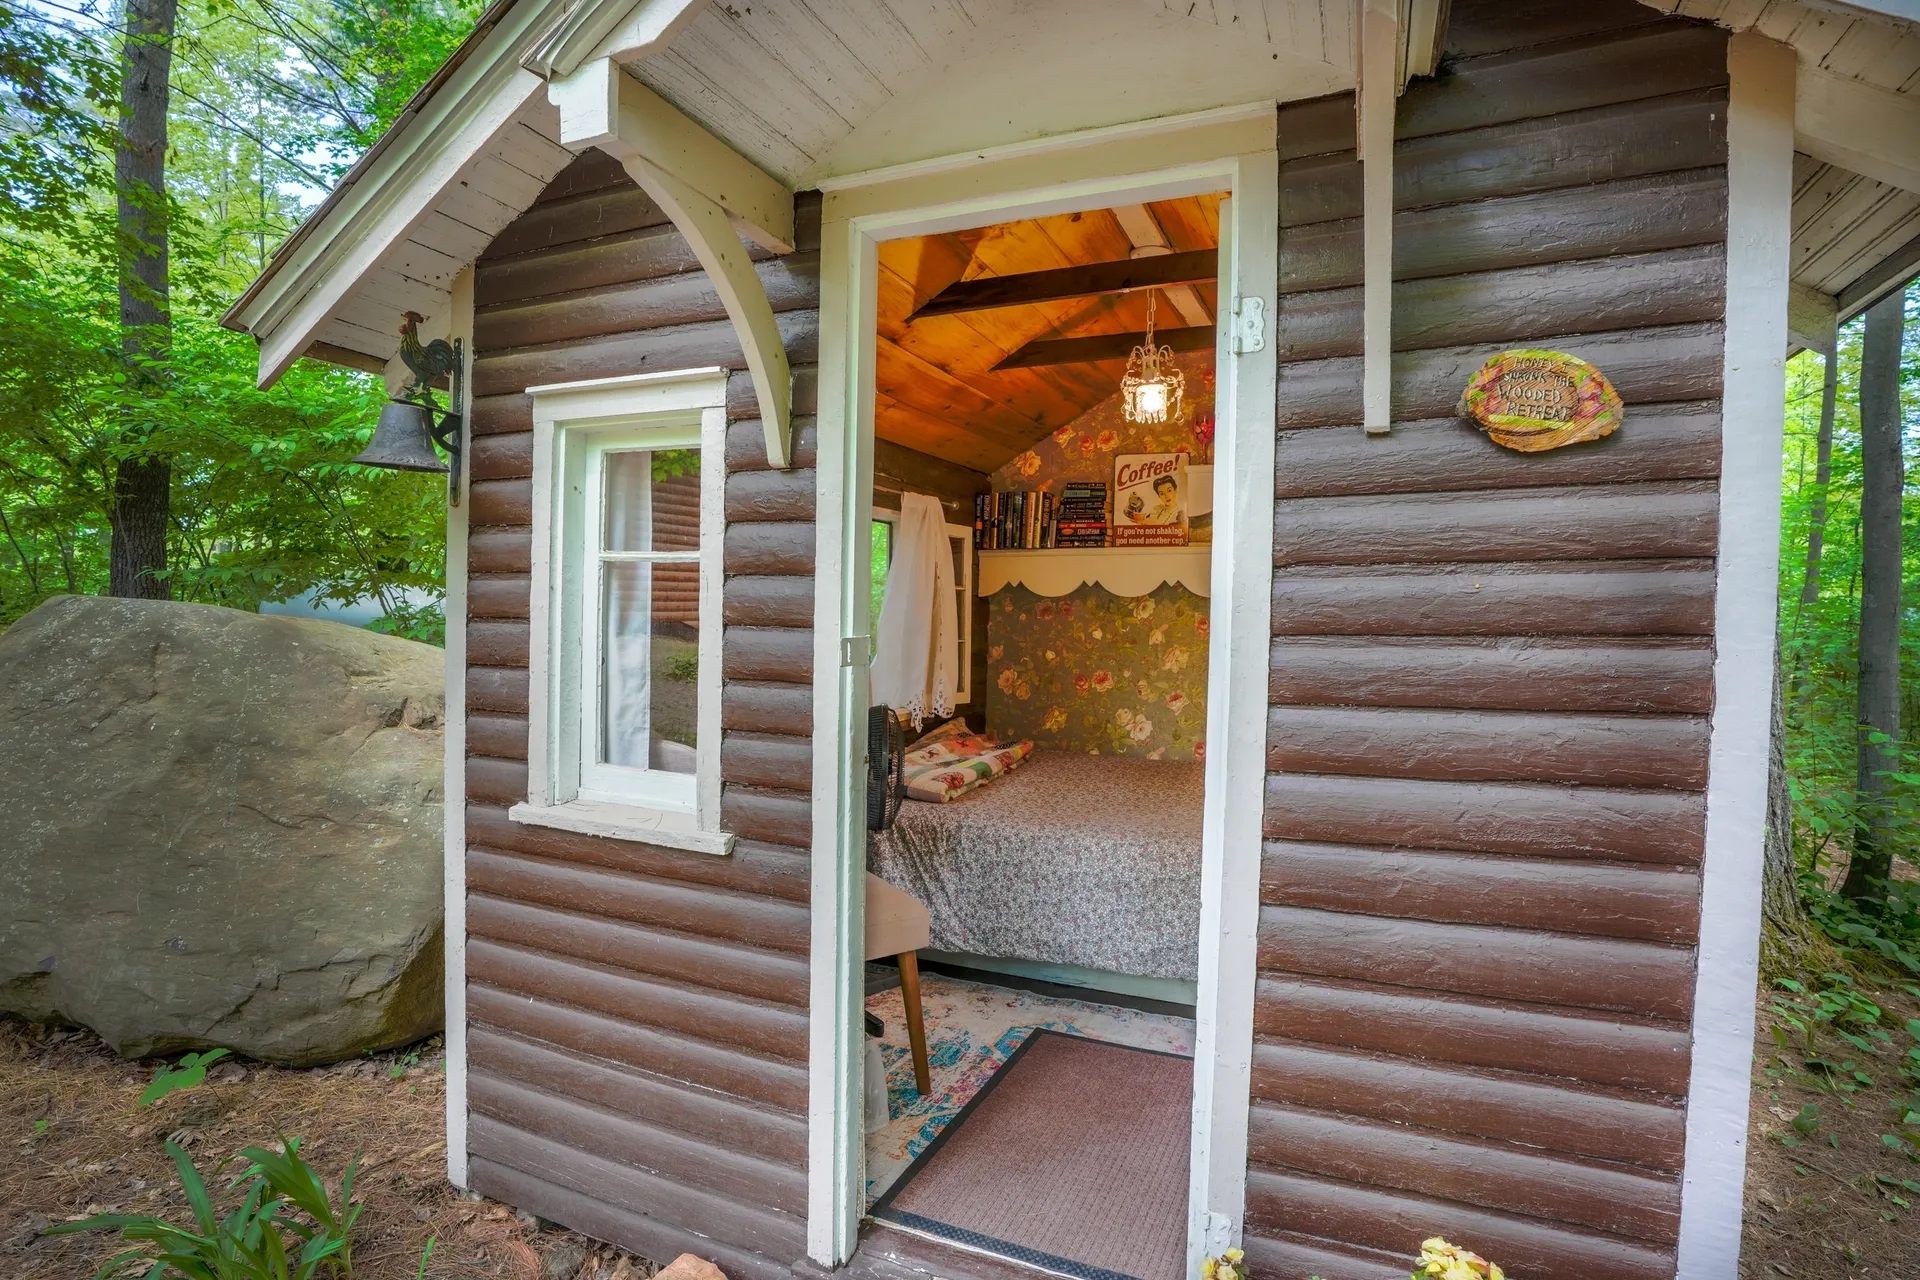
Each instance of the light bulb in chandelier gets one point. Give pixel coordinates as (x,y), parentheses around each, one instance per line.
(1152,391)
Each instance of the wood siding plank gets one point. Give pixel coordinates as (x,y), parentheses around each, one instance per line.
(1489,746)
(1384,1219)
(1500,963)
(1652,903)
(1620,824)
(1497,675)
(1641,1129)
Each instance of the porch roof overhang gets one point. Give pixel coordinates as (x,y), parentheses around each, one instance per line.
(1856,200)
(775,99)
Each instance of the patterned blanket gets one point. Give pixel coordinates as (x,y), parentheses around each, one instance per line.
(1068,859)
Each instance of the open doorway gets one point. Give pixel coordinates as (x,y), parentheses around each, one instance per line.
(1040,550)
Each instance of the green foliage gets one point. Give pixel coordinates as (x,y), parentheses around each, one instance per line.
(190,1071)
(1820,660)
(271,100)
(284,1226)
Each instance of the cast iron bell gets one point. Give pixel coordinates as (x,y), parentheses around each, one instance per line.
(403,440)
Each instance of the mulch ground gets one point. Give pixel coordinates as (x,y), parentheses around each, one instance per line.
(1828,1197)
(1833,1173)
(72,1143)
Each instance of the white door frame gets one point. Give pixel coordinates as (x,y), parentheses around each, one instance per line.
(1229,149)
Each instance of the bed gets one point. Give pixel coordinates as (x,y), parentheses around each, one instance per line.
(1069,859)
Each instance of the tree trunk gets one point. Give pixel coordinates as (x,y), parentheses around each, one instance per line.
(1883,479)
(1787,935)
(1822,476)
(137,561)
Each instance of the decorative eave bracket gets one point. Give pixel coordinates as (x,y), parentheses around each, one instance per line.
(707,189)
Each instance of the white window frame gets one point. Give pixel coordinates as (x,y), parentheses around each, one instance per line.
(575,424)
(962,536)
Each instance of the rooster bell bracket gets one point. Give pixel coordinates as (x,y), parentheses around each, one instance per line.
(411,424)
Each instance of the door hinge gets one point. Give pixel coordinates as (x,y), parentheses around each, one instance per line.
(1249,325)
(854,651)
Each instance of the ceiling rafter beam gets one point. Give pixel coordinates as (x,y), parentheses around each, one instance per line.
(1105,346)
(1063,283)
(707,189)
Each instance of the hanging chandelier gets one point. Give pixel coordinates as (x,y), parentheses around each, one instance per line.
(1152,390)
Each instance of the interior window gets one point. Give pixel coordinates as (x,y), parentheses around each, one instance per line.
(882,558)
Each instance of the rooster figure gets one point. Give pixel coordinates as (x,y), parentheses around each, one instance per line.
(429,363)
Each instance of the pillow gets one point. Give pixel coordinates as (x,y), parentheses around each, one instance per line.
(953,760)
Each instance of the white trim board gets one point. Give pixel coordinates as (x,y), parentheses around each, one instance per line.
(453,780)
(1759,229)
(1236,155)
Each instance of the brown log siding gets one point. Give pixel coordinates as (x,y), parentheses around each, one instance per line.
(638,1015)
(1489,683)
(1491,672)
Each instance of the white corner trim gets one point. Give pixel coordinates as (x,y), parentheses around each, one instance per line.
(453,784)
(1760,147)
(1376,100)
(674,830)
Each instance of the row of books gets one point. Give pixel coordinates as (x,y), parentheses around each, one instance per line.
(1017,519)
(1029,519)
(1026,519)
(1081,520)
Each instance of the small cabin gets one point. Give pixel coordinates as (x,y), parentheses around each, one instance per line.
(1007,711)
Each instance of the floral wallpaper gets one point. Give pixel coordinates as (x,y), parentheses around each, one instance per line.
(1084,448)
(1095,672)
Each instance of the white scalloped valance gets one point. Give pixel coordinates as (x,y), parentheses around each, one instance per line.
(1125,571)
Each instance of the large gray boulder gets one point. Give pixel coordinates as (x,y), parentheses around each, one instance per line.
(218,828)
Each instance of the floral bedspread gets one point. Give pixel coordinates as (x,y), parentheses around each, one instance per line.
(1069,859)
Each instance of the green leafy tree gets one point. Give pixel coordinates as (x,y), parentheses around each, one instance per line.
(1820,637)
(269,102)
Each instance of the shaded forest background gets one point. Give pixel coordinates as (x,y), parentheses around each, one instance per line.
(270,102)
(1820,659)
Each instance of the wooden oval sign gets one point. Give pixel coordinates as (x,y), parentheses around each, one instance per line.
(1535,400)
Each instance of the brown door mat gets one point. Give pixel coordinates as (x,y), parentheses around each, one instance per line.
(1073,1159)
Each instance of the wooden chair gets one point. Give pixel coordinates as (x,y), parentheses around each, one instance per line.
(898,926)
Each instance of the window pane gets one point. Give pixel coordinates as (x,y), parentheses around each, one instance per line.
(652,500)
(882,557)
(649,665)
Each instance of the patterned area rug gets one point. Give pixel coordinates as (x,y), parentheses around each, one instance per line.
(972,1029)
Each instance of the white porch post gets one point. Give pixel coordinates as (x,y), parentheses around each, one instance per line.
(453,787)
(1753,407)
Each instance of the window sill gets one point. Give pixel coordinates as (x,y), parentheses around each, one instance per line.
(624,822)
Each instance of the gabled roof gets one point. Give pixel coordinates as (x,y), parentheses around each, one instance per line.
(804,91)
(809,92)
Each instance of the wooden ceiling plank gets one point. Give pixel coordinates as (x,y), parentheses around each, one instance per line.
(1106,346)
(1060,283)
(915,381)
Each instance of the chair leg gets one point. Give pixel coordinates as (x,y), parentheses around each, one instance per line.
(916,1029)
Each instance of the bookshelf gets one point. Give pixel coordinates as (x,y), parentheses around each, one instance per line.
(1125,571)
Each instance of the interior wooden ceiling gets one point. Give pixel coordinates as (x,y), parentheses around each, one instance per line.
(937,388)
